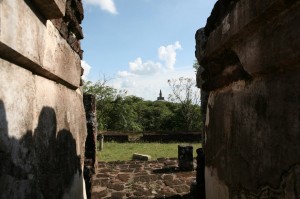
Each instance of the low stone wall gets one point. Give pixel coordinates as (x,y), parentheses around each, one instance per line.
(115,138)
(152,137)
(176,137)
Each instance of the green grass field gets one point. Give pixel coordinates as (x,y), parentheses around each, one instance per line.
(123,151)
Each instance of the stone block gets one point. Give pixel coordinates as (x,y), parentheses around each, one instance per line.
(116,186)
(237,44)
(18,104)
(36,44)
(143,157)
(118,194)
(90,112)
(123,177)
(242,18)
(185,158)
(74,18)
(42,139)
(51,9)
(99,192)
(261,125)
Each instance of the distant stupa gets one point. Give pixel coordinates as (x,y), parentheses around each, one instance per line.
(160,98)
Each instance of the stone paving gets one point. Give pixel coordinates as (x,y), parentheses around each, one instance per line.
(142,179)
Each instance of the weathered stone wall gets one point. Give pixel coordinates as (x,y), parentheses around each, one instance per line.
(249,52)
(90,163)
(42,119)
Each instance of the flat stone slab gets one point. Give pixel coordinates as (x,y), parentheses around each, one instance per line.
(142,179)
(144,157)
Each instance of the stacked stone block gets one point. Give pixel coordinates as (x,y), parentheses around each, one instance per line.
(91,141)
(249,52)
(42,120)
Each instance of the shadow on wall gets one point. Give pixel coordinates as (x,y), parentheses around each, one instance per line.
(40,164)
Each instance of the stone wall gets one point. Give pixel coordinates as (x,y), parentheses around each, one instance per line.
(90,162)
(249,52)
(165,137)
(42,119)
(180,137)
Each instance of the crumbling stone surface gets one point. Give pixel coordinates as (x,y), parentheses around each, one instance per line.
(51,9)
(185,157)
(89,102)
(69,25)
(34,43)
(198,188)
(142,179)
(41,139)
(250,79)
(42,120)
(220,10)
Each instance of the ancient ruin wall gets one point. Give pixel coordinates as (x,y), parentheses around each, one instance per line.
(249,52)
(42,119)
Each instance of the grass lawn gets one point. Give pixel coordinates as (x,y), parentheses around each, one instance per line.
(123,151)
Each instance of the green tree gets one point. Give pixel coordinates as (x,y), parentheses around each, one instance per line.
(104,96)
(155,115)
(124,116)
(118,112)
(187,95)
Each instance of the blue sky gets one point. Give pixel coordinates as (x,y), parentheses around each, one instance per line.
(140,44)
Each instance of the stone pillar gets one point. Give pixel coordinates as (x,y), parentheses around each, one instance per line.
(200,179)
(249,56)
(91,140)
(198,187)
(185,158)
(101,142)
(90,111)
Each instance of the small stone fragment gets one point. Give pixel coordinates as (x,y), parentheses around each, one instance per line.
(143,157)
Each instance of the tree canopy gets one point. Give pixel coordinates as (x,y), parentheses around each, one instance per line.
(118,112)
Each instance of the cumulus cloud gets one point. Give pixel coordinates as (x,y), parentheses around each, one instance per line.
(144,68)
(86,67)
(168,54)
(145,79)
(128,83)
(148,86)
(107,5)
(124,74)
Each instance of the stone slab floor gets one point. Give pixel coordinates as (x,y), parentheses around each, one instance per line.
(141,179)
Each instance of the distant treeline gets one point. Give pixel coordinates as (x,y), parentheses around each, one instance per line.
(118,112)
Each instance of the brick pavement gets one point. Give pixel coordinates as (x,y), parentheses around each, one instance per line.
(141,179)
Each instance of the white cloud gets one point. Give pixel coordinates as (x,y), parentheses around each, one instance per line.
(148,86)
(128,83)
(107,5)
(145,79)
(86,67)
(140,68)
(124,74)
(168,54)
